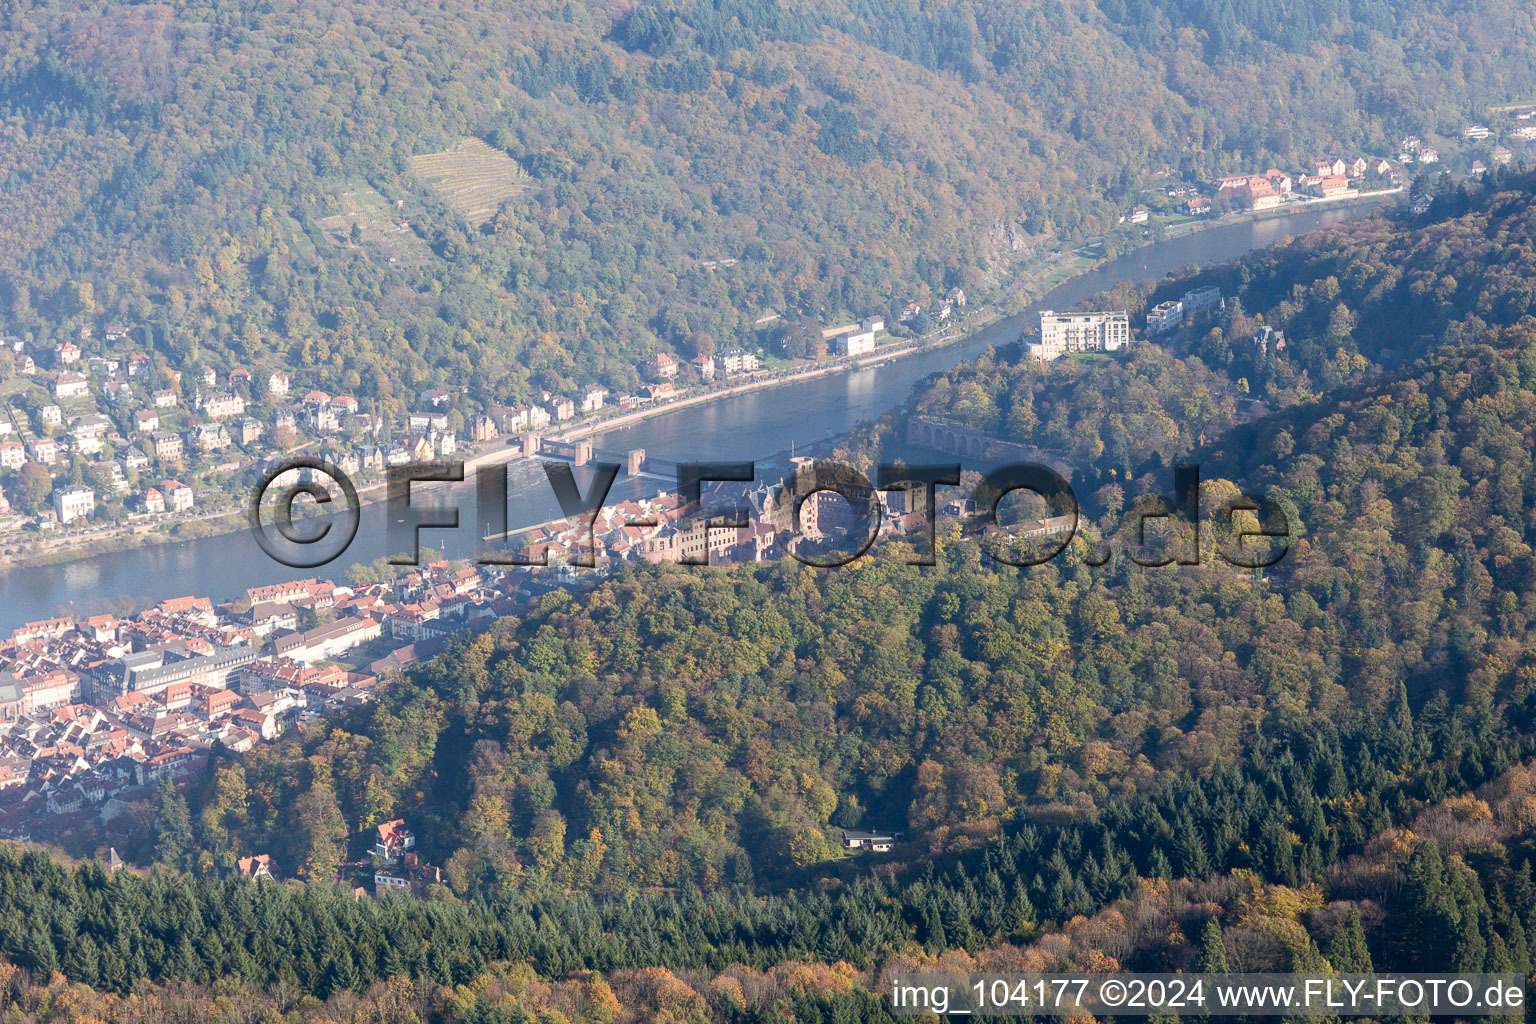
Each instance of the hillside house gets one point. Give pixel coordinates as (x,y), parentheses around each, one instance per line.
(44,450)
(168,446)
(481,428)
(593,397)
(878,842)
(223,405)
(178,496)
(259,866)
(388,881)
(394,839)
(210,437)
(660,366)
(71,503)
(421,422)
(70,385)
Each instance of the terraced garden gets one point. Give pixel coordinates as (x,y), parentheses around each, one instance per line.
(475,178)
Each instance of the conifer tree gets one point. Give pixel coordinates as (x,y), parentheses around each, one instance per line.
(173,842)
(1211,957)
(44,958)
(1348,952)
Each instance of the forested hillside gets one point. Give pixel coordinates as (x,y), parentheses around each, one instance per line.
(653,774)
(247,180)
(1354,307)
(635,793)
(677,725)
(1451,888)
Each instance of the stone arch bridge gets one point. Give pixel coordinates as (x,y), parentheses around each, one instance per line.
(971,444)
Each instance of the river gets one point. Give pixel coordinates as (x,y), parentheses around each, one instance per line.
(755,425)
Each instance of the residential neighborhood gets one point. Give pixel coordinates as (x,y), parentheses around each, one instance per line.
(96,434)
(1415,161)
(95,711)
(1321,179)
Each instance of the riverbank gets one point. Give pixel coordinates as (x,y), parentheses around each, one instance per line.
(1044,274)
(973,324)
(60,550)
(1180,250)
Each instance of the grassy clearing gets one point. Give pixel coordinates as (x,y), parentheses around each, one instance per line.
(382,227)
(1065,269)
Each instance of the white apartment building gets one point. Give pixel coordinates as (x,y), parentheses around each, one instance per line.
(1201,300)
(857,342)
(70,503)
(736,360)
(1061,333)
(1165,316)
